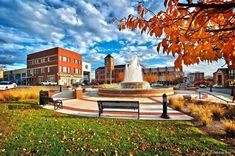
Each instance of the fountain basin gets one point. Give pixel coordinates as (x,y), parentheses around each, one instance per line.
(135,85)
(135,92)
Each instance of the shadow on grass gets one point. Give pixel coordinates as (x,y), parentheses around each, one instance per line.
(65,116)
(23,106)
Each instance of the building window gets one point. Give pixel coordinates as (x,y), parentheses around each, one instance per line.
(65,59)
(60,58)
(86,66)
(76,61)
(76,71)
(42,70)
(60,69)
(68,69)
(65,69)
(51,78)
(48,69)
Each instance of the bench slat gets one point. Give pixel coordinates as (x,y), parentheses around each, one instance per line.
(118,105)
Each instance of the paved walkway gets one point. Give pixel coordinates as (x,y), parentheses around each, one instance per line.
(216,97)
(150,108)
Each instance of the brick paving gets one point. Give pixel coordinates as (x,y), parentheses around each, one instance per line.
(150,109)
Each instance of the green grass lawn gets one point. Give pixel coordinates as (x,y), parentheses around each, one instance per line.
(44,132)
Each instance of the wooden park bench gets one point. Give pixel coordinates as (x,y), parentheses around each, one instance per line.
(118,105)
(57,103)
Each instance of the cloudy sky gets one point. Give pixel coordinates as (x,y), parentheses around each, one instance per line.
(84,26)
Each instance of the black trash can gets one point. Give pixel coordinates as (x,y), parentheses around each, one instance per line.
(43,97)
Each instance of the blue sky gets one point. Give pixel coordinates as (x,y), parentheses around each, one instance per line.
(84,26)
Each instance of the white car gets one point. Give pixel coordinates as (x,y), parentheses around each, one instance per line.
(202,86)
(48,83)
(217,86)
(4,85)
(157,85)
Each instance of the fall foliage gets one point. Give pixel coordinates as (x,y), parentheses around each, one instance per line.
(191,32)
(151,78)
(169,77)
(120,76)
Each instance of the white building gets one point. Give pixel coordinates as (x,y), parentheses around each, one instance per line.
(18,75)
(86,71)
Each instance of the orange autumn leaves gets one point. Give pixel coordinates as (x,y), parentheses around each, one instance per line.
(191,32)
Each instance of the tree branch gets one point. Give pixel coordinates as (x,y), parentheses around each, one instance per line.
(203,5)
(193,20)
(217,30)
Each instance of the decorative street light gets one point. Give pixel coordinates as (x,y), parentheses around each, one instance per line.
(164,114)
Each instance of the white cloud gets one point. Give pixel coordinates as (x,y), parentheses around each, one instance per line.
(208,69)
(69,16)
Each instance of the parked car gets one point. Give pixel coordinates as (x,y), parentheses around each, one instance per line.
(4,85)
(156,85)
(48,83)
(77,84)
(217,86)
(202,86)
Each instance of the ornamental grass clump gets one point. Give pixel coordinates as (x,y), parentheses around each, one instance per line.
(229,126)
(217,111)
(177,103)
(21,94)
(202,113)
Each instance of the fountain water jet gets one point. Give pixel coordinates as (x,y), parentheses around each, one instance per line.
(133,78)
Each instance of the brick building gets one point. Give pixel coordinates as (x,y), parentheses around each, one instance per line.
(111,73)
(194,77)
(100,74)
(55,65)
(166,74)
(225,77)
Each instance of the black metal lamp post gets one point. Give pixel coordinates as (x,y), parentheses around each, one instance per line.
(60,88)
(164,114)
(210,88)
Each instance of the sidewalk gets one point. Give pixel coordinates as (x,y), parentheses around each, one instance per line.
(221,96)
(150,109)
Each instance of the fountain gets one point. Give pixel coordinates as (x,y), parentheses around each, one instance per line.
(133,84)
(133,78)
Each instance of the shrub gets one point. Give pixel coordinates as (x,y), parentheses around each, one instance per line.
(177,103)
(21,94)
(217,111)
(194,109)
(229,126)
(230,111)
(194,100)
(203,114)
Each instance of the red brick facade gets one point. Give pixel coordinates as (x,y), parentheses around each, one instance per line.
(56,65)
